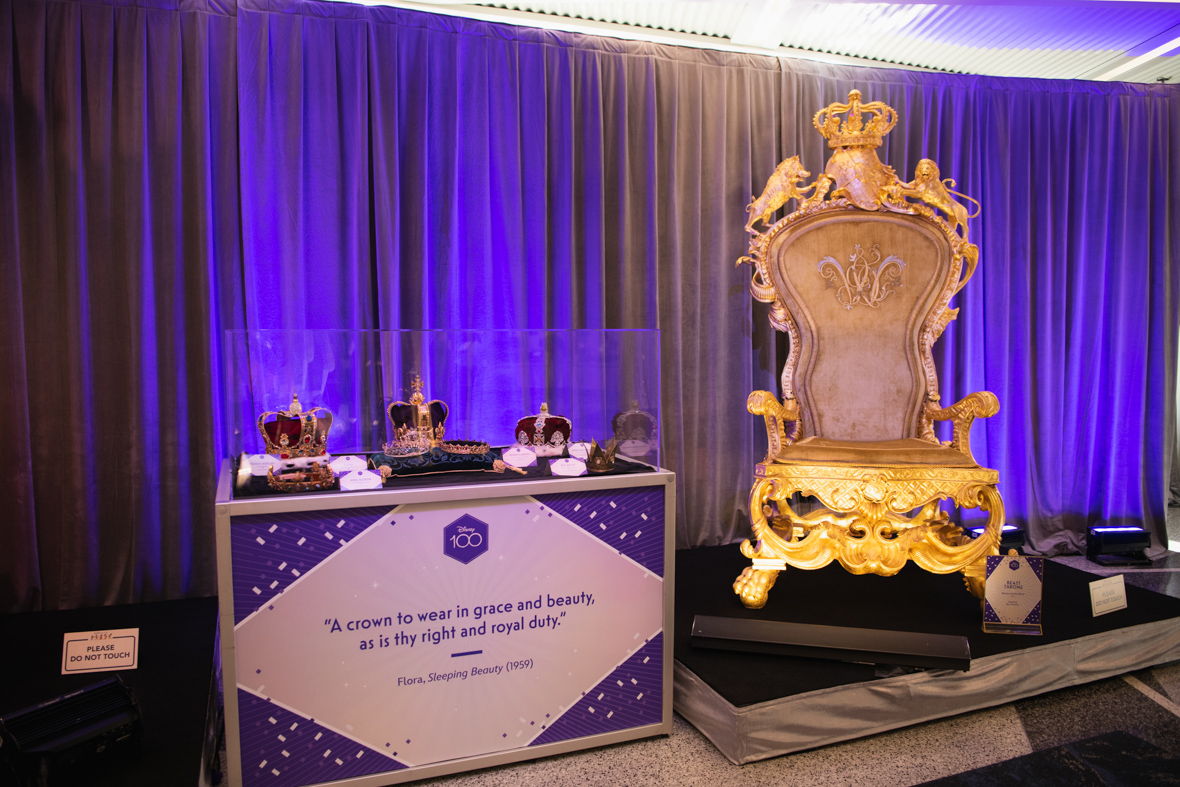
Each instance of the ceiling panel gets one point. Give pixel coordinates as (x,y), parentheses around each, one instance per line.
(1058,39)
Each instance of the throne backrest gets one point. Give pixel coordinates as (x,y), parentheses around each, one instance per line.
(860,287)
(860,275)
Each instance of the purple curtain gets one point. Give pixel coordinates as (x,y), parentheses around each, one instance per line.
(119,218)
(173,168)
(434,172)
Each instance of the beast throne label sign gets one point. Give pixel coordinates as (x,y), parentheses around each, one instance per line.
(1012,597)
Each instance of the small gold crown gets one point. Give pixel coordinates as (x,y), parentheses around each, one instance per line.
(856,131)
(601,458)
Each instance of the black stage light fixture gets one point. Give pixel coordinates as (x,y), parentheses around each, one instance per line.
(1011,537)
(54,742)
(837,643)
(1118,545)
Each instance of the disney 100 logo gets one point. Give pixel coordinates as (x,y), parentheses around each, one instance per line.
(465,539)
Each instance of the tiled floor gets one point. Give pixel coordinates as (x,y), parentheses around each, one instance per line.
(895,759)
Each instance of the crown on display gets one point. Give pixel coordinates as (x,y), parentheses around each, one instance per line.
(312,478)
(418,425)
(601,458)
(634,424)
(856,131)
(471,447)
(294,432)
(546,434)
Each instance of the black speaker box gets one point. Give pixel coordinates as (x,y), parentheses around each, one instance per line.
(54,743)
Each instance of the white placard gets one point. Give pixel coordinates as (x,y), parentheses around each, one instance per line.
(1108,595)
(360,479)
(569,467)
(579,450)
(100,651)
(260,463)
(518,456)
(346,464)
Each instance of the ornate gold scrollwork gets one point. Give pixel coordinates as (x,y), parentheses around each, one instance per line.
(776,414)
(865,524)
(981,404)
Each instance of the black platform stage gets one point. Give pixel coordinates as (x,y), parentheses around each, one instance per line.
(172,684)
(753,706)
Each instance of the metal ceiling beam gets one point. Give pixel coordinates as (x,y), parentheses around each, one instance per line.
(1160,45)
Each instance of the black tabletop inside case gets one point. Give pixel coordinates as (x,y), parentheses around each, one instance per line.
(440,469)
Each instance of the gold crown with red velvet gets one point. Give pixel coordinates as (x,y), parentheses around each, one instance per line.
(295,432)
(546,434)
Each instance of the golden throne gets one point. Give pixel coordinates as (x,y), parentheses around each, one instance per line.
(860,276)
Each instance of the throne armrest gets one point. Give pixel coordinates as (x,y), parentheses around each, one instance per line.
(776,413)
(982,404)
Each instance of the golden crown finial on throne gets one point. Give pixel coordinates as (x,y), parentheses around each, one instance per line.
(855,131)
(855,177)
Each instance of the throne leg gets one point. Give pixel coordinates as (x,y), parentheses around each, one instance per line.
(754,583)
(753,586)
(975,574)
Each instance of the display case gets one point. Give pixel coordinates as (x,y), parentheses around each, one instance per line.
(489,380)
(455,618)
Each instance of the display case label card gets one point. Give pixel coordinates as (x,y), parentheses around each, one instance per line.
(1012,595)
(260,463)
(100,651)
(346,464)
(568,467)
(579,450)
(360,479)
(518,456)
(1108,595)
(635,447)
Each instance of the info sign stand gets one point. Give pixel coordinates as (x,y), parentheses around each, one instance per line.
(1012,595)
(394,635)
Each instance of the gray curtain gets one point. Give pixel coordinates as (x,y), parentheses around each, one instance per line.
(163,172)
(119,250)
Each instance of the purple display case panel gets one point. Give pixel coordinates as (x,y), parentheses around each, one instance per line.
(271,551)
(284,749)
(431,632)
(628,520)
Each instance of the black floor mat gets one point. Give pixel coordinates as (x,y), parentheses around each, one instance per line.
(1117,759)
